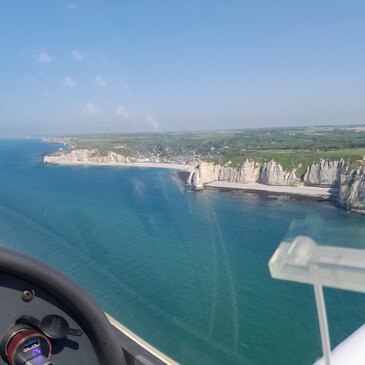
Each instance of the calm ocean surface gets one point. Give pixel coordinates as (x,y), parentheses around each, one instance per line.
(186,271)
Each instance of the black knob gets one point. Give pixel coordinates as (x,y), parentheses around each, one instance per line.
(56,327)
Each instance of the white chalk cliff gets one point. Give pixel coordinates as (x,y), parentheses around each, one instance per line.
(324,172)
(85,156)
(350,184)
(272,173)
(249,172)
(352,190)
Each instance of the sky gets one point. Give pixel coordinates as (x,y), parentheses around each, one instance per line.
(103,66)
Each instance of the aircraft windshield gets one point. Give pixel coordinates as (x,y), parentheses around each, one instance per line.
(157,153)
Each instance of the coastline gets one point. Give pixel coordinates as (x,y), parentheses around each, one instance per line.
(124,164)
(303,191)
(300,192)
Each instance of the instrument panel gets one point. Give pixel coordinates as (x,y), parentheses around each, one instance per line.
(46,319)
(34,324)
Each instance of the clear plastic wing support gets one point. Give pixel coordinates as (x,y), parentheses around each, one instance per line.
(302,260)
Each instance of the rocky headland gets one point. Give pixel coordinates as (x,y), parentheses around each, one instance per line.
(345,186)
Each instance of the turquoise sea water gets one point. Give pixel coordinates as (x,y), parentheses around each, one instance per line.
(186,271)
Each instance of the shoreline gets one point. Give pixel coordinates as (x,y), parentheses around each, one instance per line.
(308,192)
(303,191)
(300,191)
(124,164)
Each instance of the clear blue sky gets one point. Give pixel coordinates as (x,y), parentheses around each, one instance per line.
(133,66)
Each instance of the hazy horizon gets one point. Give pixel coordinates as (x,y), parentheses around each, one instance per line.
(192,131)
(112,67)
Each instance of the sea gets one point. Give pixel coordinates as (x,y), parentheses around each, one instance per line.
(187,271)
